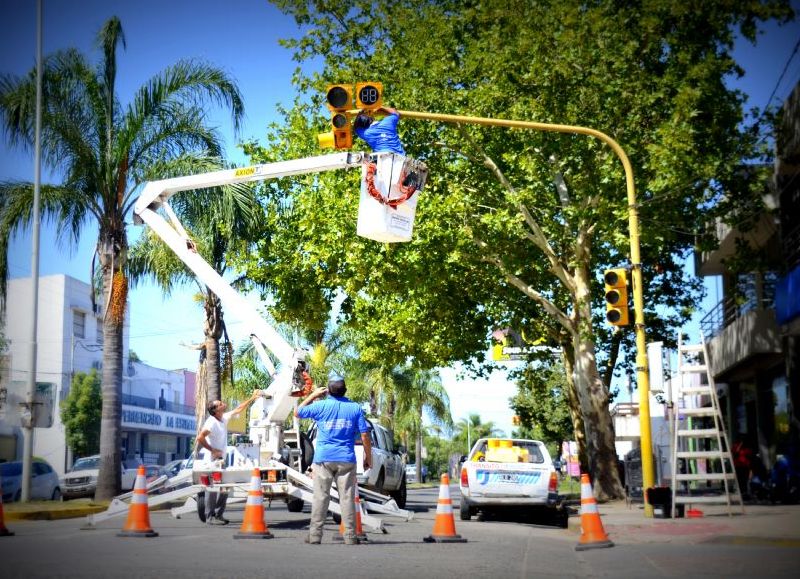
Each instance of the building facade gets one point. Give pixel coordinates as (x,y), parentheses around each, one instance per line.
(158,421)
(753,331)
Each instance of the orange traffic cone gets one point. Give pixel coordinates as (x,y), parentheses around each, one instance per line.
(360,534)
(444,527)
(593,536)
(253,525)
(4,532)
(138,523)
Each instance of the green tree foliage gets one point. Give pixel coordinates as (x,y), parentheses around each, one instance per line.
(81,412)
(541,404)
(514,226)
(104,150)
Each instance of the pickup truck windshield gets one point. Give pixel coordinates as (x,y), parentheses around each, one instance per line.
(86,464)
(534,453)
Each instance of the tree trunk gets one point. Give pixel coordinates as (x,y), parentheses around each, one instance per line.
(574,405)
(111,248)
(594,398)
(418,447)
(213,333)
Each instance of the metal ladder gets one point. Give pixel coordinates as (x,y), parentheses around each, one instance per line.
(699,439)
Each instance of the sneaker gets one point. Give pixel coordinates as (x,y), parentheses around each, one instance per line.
(214,521)
(222,520)
(310,541)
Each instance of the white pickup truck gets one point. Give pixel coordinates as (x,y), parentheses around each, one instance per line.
(388,472)
(501,473)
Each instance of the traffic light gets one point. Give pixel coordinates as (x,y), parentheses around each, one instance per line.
(616,286)
(369,95)
(339,99)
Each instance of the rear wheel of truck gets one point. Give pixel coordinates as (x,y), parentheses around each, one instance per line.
(200,499)
(465,511)
(400,494)
(294,505)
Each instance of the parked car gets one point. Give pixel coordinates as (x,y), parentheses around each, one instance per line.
(510,473)
(172,468)
(44,481)
(81,479)
(411,473)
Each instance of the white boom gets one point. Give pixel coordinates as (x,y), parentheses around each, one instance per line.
(277,404)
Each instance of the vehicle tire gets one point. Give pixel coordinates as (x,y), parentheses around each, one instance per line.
(400,494)
(306,451)
(200,499)
(561,518)
(380,482)
(57,495)
(18,496)
(294,505)
(464,510)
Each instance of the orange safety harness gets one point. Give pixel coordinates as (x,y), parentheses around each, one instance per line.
(406,190)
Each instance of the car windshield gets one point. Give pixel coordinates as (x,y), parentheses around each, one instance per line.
(9,469)
(86,464)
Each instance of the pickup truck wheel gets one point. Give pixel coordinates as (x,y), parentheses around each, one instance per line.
(294,505)
(400,494)
(465,511)
(379,483)
(200,499)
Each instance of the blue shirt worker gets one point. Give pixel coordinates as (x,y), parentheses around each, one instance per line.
(380,135)
(338,421)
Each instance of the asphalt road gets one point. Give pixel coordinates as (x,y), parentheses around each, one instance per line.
(512,545)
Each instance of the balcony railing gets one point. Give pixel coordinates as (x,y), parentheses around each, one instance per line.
(143,402)
(731,309)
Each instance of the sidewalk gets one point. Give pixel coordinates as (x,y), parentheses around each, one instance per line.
(777,525)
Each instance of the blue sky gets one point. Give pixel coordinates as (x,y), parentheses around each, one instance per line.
(240,36)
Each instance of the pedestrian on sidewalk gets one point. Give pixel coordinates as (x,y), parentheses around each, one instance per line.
(338,421)
(212,443)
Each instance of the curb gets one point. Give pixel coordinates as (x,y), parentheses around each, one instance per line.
(53,515)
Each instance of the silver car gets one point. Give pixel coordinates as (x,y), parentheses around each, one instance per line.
(44,481)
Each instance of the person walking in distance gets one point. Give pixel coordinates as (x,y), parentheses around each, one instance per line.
(338,420)
(212,443)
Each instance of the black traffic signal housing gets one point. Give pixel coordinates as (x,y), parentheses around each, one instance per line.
(339,98)
(616,286)
(369,95)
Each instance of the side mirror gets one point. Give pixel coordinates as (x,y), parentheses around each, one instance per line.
(400,449)
(463,458)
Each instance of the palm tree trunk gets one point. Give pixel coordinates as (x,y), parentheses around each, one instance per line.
(213,333)
(418,447)
(115,285)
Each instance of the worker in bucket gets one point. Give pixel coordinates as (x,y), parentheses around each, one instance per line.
(380,135)
(212,443)
(338,420)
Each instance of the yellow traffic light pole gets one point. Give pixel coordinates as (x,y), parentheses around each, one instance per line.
(642,370)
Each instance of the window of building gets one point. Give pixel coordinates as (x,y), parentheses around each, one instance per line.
(99,327)
(78,324)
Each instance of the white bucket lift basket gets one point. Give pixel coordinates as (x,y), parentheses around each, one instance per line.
(390,185)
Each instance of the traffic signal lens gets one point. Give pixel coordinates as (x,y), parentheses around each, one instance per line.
(611,277)
(369,95)
(613,316)
(612,297)
(339,121)
(338,97)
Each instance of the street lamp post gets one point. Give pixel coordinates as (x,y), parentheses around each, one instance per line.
(643,376)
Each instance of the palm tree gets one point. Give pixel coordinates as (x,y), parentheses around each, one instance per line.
(471,429)
(425,393)
(105,151)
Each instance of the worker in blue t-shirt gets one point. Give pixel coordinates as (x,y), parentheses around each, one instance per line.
(380,135)
(338,420)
